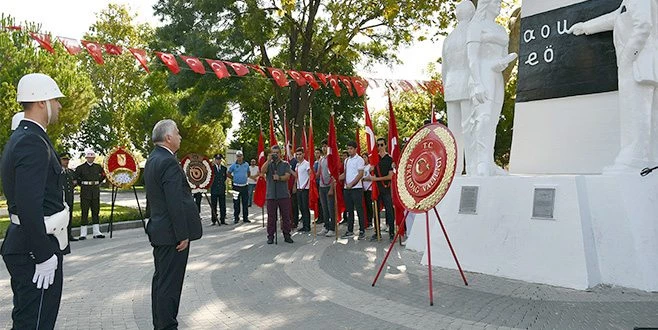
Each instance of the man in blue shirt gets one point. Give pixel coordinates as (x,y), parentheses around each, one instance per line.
(239,172)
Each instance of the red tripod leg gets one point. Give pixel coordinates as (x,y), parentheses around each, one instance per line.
(445,233)
(429,255)
(390,248)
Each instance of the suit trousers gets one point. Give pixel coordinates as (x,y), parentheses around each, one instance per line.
(33,308)
(167,285)
(386,200)
(243,200)
(354,200)
(283,205)
(302,202)
(85,204)
(221,200)
(367,203)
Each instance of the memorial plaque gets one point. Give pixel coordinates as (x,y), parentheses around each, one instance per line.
(543,203)
(468,201)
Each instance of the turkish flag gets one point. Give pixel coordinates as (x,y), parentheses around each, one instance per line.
(313,193)
(113,49)
(310,79)
(43,40)
(333,80)
(394,150)
(360,85)
(346,81)
(279,77)
(13,28)
(261,185)
(194,64)
(71,45)
(333,162)
(406,86)
(94,50)
(323,78)
(371,144)
(258,69)
(239,68)
(220,69)
(272,135)
(170,61)
(140,55)
(298,77)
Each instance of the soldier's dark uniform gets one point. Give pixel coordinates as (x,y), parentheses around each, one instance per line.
(32,183)
(89,178)
(69,184)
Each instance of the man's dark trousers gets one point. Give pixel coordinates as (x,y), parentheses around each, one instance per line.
(27,297)
(302,202)
(221,199)
(354,200)
(167,285)
(243,198)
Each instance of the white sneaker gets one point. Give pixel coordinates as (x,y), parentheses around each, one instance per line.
(330,233)
(323,232)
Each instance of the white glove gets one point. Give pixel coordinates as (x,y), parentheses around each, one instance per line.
(44,273)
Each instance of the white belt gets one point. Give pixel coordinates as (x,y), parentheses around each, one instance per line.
(56,225)
(89,183)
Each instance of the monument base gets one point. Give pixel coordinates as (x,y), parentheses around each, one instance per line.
(603,229)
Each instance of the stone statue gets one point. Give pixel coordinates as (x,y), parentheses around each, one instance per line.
(486,46)
(454,72)
(634,25)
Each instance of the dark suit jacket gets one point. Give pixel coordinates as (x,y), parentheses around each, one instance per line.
(218,186)
(32,183)
(174,216)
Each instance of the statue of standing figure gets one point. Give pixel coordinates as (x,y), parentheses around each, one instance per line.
(481,100)
(635,29)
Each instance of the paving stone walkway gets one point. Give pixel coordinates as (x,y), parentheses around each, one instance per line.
(235,280)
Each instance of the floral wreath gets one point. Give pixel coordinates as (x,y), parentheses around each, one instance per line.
(198,172)
(121,167)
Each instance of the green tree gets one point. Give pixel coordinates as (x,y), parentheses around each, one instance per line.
(20,57)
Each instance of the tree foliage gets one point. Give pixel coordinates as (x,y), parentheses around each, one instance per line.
(20,57)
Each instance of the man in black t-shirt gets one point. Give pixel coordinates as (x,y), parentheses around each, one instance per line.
(383,176)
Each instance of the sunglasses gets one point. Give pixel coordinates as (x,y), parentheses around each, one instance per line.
(381,144)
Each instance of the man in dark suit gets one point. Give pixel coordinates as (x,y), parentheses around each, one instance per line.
(31,180)
(218,191)
(174,222)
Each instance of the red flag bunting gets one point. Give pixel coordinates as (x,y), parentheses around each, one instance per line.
(170,61)
(323,78)
(279,77)
(239,68)
(140,55)
(71,45)
(194,63)
(219,68)
(346,81)
(261,185)
(299,79)
(310,80)
(333,80)
(113,49)
(43,40)
(406,86)
(13,28)
(258,69)
(94,50)
(360,85)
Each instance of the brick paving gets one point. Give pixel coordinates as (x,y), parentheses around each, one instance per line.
(235,280)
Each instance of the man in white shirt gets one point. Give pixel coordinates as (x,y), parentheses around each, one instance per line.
(251,180)
(353,190)
(303,175)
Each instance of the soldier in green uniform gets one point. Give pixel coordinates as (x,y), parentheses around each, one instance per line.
(89,176)
(69,184)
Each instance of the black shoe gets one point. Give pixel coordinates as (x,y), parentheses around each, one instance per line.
(246,221)
(287,239)
(73,239)
(82,238)
(235,222)
(99,236)
(373,238)
(213,224)
(270,241)
(222,222)
(362,234)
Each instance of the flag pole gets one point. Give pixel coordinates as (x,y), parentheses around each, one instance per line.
(378,225)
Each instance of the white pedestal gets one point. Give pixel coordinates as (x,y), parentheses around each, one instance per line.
(604,230)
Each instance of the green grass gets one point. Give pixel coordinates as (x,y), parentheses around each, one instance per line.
(121,213)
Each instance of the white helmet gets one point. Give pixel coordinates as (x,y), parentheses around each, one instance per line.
(16,119)
(36,87)
(90,153)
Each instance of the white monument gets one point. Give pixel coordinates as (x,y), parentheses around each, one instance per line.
(580,228)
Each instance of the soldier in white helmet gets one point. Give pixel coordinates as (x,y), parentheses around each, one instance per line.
(31,180)
(16,119)
(89,176)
